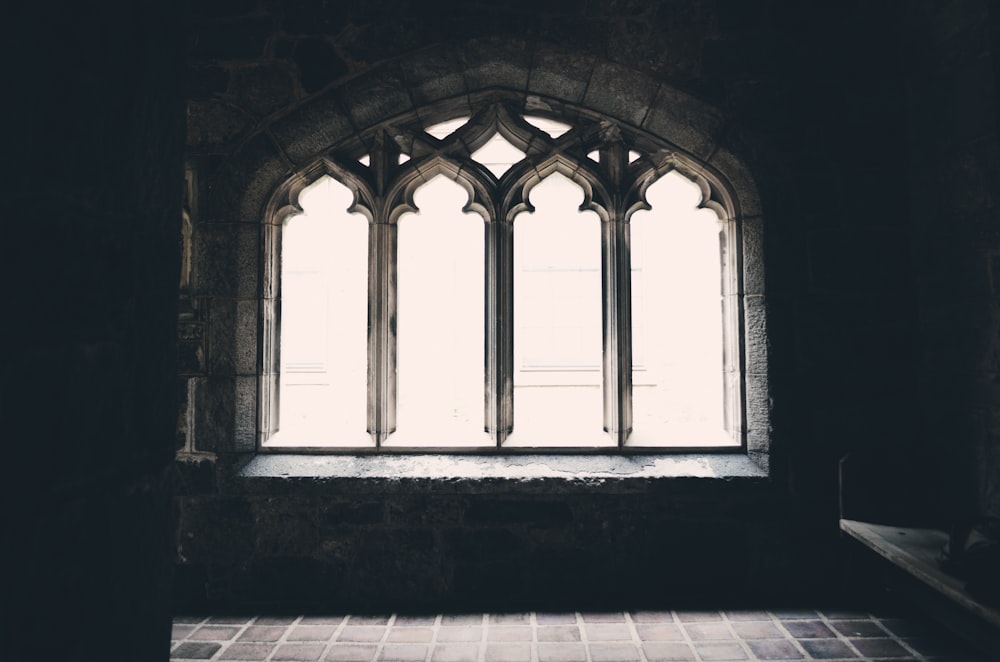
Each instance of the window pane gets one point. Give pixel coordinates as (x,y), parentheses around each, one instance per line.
(440,321)
(557,317)
(324,317)
(677,376)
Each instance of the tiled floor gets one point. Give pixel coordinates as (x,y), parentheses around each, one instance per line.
(588,637)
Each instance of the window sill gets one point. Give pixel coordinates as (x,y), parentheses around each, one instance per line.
(494,473)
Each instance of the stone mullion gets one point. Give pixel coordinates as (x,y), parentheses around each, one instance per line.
(499,349)
(616,291)
(381,328)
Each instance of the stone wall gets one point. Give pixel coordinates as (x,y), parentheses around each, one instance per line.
(816,102)
(954,165)
(95,117)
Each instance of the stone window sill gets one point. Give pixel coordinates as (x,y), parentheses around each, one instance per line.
(485,474)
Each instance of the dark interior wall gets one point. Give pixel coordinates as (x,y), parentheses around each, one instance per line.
(821,101)
(94,156)
(954,171)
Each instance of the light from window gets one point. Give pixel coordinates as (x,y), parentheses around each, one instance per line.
(324,311)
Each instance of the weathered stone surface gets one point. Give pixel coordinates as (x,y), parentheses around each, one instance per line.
(558,73)
(262,89)
(683,120)
(620,92)
(434,75)
(313,128)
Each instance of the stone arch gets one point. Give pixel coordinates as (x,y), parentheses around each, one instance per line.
(450,80)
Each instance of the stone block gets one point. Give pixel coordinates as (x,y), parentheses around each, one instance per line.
(560,73)
(741,182)
(192,476)
(245,338)
(758,404)
(248,179)
(511,512)
(623,94)
(496,63)
(685,121)
(222,336)
(215,530)
(215,271)
(376,97)
(263,88)
(214,414)
(434,75)
(313,128)
(752,234)
(756,335)
(353,513)
(245,414)
(481,544)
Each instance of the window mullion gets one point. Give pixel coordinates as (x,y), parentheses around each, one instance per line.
(616,296)
(499,350)
(616,291)
(381,329)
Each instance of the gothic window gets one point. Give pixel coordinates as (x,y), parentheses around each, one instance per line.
(502,279)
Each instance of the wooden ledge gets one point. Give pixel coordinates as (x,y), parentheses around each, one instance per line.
(917,551)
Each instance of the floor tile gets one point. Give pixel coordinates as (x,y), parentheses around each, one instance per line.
(615,653)
(880,648)
(808,629)
(262,633)
(757,630)
(414,635)
(298,652)
(508,633)
(275,620)
(195,650)
(462,619)
(180,631)
(311,632)
(214,633)
(653,617)
(712,652)
(555,619)
(707,631)
(403,653)
(361,633)
(698,616)
(510,619)
(828,649)
(508,652)
(562,653)
(247,652)
(608,632)
(664,652)
(455,652)
(748,615)
(611,617)
(350,653)
(426,621)
(557,633)
(857,628)
(455,633)
(775,649)
(659,632)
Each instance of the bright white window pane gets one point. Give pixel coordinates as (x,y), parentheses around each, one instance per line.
(322,388)
(446,128)
(498,155)
(440,321)
(557,317)
(677,377)
(551,127)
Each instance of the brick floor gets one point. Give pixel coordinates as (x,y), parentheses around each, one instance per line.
(643,636)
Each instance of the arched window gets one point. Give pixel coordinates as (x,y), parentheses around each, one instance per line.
(525,280)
